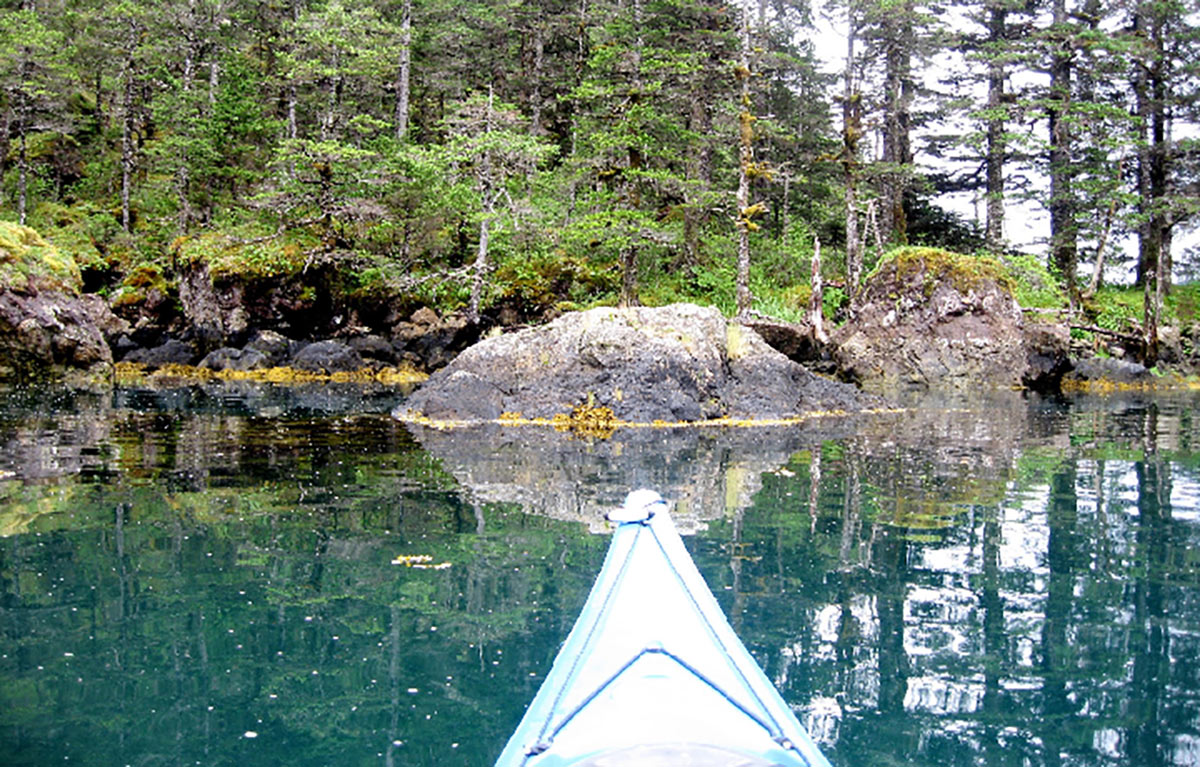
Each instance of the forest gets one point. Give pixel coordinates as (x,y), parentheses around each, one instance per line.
(472,155)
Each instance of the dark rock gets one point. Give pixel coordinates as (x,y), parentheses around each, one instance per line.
(674,363)
(1101,369)
(48,335)
(794,341)
(172,352)
(276,347)
(1047,356)
(435,345)
(374,347)
(328,357)
(227,358)
(123,346)
(217,309)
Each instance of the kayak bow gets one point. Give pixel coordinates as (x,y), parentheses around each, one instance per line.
(652,674)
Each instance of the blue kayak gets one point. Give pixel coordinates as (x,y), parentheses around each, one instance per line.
(652,675)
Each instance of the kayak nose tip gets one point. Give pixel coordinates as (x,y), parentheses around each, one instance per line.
(640,506)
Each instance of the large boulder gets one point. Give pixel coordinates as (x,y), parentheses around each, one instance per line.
(674,363)
(931,319)
(47,329)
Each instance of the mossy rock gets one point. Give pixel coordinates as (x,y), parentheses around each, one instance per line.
(28,263)
(965,273)
(138,283)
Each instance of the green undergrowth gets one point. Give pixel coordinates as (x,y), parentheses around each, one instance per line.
(248,252)
(29,263)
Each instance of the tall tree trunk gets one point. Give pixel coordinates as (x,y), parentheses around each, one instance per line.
(1063,228)
(746,154)
(816,301)
(127,147)
(486,184)
(699,171)
(404,71)
(183,180)
(22,176)
(851,133)
(632,190)
(1152,93)
(332,98)
(535,88)
(897,119)
(994,228)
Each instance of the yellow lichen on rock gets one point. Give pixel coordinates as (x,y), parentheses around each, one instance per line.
(128,372)
(29,262)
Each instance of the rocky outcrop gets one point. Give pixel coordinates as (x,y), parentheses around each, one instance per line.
(674,363)
(47,329)
(930,319)
(51,335)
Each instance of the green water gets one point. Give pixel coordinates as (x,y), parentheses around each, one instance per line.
(209,576)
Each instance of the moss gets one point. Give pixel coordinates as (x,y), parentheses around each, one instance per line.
(250,257)
(138,284)
(937,266)
(28,262)
(735,341)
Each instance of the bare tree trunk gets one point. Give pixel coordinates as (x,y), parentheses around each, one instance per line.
(183,180)
(994,228)
(872,226)
(1098,268)
(22,177)
(898,97)
(1151,301)
(633,197)
(746,150)
(535,93)
(816,300)
(127,148)
(214,79)
(332,97)
(851,133)
(489,208)
(404,71)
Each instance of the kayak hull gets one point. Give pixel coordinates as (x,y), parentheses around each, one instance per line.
(652,673)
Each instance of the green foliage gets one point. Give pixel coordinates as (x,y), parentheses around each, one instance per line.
(265,256)
(1117,308)
(542,281)
(1033,284)
(29,263)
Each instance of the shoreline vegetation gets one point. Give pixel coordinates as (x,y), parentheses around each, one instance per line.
(345,190)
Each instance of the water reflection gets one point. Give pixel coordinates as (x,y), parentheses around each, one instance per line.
(207,578)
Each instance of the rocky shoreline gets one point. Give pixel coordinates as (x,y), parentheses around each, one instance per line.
(921,322)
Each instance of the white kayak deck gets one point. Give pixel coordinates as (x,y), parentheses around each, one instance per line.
(653,674)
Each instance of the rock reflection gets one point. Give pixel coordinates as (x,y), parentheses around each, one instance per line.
(706,473)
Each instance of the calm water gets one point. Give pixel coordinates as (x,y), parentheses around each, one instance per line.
(208,576)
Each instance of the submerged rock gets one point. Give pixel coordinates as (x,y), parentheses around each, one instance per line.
(673,363)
